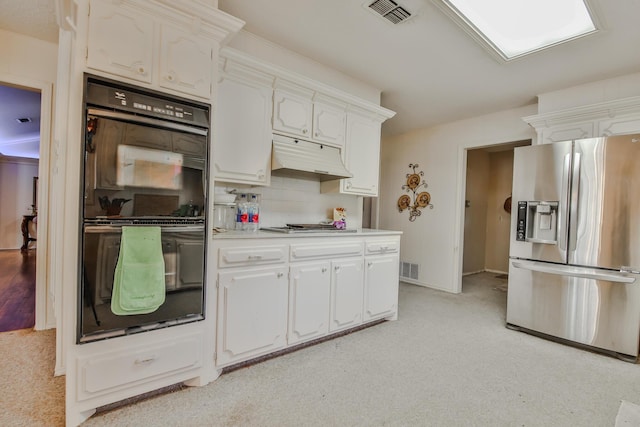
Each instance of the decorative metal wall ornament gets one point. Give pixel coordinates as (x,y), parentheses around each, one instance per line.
(416,199)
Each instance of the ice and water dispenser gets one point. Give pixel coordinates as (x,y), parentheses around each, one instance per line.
(537,222)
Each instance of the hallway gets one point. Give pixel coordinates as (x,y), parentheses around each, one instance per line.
(17,290)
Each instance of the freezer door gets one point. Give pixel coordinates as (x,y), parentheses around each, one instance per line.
(541,175)
(594,307)
(605,221)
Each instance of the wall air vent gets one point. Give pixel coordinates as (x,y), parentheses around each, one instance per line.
(390,10)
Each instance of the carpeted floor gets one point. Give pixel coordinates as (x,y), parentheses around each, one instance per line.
(30,395)
(447,361)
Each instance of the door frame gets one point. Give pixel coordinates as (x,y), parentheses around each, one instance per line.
(44,313)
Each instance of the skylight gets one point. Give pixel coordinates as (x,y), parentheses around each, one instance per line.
(514,28)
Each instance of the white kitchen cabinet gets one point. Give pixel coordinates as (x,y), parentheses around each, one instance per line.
(242,130)
(347,284)
(186,61)
(300,289)
(380,286)
(361,157)
(118,370)
(329,118)
(292,110)
(301,112)
(120,41)
(309,288)
(252,313)
(125,42)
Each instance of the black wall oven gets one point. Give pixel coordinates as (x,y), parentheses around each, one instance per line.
(144,171)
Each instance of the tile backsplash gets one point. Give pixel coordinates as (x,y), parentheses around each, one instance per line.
(298,200)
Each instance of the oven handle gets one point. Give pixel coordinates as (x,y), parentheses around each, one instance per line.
(163,228)
(147,120)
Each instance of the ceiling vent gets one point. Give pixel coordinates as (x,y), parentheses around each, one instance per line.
(390,10)
(24,120)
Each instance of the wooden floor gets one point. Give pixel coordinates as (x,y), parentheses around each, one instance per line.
(17,289)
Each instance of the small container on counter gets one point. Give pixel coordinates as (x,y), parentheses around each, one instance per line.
(224,216)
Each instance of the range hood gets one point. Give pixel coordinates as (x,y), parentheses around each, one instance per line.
(297,157)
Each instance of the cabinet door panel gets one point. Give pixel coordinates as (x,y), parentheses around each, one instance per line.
(120,41)
(252,310)
(186,62)
(329,124)
(381,287)
(242,133)
(292,113)
(309,301)
(346,294)
(362,156)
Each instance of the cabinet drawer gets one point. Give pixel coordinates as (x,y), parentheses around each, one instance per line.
(231,257)
(335,250)
(119,370)
(382,247)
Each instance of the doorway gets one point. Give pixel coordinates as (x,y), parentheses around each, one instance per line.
(26,151)
(20,110)
(487,215)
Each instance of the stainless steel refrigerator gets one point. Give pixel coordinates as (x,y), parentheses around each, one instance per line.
(574,263)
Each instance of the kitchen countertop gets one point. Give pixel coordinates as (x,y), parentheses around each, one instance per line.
(364,232)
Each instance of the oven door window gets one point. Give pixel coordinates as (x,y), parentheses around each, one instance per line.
(183,253)
(133,169)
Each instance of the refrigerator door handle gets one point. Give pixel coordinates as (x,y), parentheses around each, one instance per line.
(563,215)
(573,271)
(575,193)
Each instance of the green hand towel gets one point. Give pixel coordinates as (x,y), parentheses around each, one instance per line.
(139,285)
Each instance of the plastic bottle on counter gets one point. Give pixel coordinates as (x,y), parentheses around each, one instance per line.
(242,213)
(254,213)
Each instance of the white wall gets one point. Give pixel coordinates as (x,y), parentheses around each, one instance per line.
(16,193)
(299,201)
(433,240)
(24,56)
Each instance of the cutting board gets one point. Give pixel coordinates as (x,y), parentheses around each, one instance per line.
(154,204)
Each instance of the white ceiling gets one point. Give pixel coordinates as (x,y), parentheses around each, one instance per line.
(429,70)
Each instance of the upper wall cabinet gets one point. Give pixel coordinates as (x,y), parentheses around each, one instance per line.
(154,47)
(603,119)
(186,62)
(120,41)
(242,126)
(299,111)
(256,99)
(361,156)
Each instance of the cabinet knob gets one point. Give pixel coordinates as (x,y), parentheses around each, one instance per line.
(304,131)
(324,269)
(336,268)
(170,77)
(141,70)
(279,275)
(348,185)
(369,264)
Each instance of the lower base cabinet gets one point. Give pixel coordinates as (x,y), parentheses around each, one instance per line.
(309,292)
(277,293)
(252,313)
(380,287)
(346,294)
